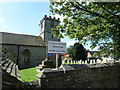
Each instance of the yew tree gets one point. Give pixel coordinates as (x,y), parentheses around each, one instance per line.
(77,52)
(96,22)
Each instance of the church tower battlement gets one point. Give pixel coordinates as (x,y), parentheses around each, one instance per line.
(46,24)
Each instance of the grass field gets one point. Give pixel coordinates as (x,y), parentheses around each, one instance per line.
(28,74)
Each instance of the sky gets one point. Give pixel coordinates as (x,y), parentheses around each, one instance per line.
(24,18)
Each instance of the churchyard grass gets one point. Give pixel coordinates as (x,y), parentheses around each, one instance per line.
(28,74)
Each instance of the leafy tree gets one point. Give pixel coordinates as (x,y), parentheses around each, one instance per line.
(97,22)
(77,52)
(80,53)
(70,52)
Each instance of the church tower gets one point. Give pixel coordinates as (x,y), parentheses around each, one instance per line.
(46,24)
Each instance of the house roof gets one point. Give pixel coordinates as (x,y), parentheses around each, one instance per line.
(92,52)
(21,39)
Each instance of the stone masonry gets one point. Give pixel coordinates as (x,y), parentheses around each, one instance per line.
(29,50)
(105,75)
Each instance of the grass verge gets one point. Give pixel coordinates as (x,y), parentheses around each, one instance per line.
(28,74)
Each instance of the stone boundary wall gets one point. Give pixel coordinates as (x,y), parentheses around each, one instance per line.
(0,62)
(105,75)
(10,74)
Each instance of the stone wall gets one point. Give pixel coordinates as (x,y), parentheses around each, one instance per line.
(10,74)
(37,54)
(105,75)
(11,52)
(47,23)
(14,53)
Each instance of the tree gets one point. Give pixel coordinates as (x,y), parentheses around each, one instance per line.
(80,52)
(70,52)
(97,22)
(77,52)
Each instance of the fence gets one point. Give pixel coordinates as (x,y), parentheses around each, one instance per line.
(81,62)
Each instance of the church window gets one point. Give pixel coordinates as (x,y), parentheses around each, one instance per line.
(26,56)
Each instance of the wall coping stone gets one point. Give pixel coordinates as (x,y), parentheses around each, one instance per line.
(72,67)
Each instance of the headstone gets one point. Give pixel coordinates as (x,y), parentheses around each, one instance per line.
(46,64)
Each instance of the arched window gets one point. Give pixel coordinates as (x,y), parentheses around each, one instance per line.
(26,55)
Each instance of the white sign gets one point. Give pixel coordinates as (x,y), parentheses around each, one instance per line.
(56,47)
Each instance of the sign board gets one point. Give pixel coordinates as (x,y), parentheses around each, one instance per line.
(57,47)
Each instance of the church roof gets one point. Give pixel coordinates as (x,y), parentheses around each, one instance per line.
(21,39)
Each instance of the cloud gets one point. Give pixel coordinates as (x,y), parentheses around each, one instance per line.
(2,20)
(61,17)
(70,43)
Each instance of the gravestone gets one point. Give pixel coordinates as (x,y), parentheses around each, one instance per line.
(46,64)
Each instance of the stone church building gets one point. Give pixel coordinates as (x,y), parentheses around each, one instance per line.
(29,50)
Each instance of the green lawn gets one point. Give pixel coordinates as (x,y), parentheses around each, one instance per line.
(28,74)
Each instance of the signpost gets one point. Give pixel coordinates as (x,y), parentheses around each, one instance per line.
(57,48)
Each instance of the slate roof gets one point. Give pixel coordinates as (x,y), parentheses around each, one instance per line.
(21,39)
(92,52)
